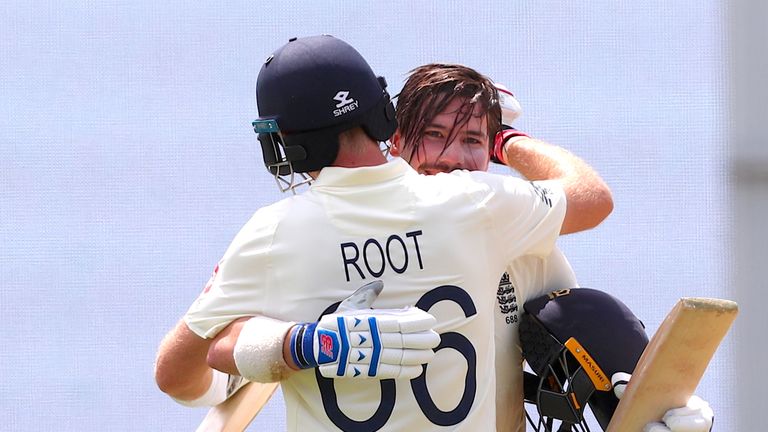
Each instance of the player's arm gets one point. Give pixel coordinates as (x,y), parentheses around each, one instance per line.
(354,342)
(181,370)
(220,354)
(588,196)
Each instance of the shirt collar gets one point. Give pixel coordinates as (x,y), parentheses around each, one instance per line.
(338,176)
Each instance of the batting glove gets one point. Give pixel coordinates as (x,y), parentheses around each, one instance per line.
(366,343)
(510,111)
(510,107)
(696,416)
(498,153)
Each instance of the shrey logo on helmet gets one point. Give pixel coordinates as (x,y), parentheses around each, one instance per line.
(345,105)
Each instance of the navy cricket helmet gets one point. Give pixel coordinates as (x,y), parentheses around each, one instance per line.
(576,342)
(310,90)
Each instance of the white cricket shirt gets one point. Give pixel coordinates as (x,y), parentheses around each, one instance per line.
(526,278)
(437,242)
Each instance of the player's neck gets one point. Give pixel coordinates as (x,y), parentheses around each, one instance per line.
(355,159)
(356,149)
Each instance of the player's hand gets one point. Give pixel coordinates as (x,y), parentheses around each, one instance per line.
(620,381)
(498,153)
(696,416)
(364,342)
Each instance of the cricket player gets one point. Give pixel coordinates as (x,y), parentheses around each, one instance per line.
(434,138)
(423,357)
(433,142)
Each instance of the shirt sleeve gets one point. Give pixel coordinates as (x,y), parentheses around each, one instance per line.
(238,287)
(558,273)
(525,217)
(535,276)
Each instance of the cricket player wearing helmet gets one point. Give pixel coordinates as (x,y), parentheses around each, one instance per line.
(438,244)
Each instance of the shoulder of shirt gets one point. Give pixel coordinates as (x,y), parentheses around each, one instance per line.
(485,177)
(276,209)
(265,221)
(479,181)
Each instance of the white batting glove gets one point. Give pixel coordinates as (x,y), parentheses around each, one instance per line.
(510,107)
(366,343)
(620,381)
(696,416)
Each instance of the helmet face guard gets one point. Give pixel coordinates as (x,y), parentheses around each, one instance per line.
(574,341)
(276,158)
(561,387)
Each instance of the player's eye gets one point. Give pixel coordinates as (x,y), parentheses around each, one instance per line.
(433,133)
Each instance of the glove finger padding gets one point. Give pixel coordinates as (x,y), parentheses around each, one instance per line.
(421,340)
(406,357)
(655,427)
(696,416)
(407,320)
(690,423)
(385,371)
(620,381)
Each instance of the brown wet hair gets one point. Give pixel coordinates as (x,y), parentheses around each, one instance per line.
(429,89)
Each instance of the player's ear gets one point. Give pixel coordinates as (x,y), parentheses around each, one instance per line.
(394,144)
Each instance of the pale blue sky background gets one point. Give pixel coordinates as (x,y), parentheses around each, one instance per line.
(127,164)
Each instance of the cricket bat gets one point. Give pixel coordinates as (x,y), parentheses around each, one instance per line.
(237,412)
(674,361)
